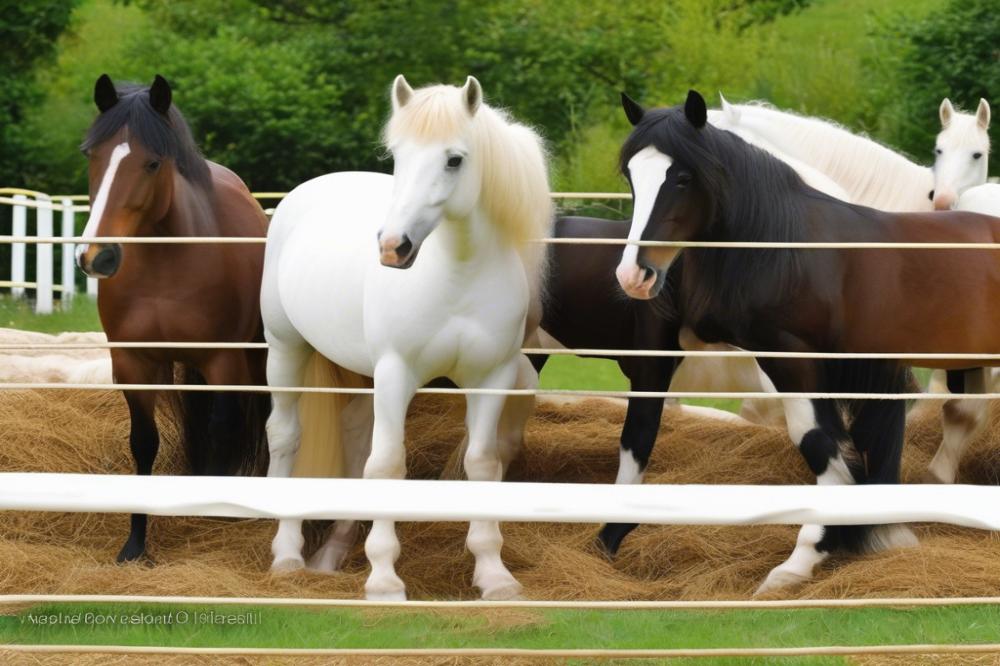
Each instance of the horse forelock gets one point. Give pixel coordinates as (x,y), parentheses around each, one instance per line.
(511,158)
(167,136)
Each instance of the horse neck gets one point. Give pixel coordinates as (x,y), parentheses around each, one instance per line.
(871,174)
(190,212)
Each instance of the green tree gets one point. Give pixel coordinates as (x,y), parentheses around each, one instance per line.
(28,32)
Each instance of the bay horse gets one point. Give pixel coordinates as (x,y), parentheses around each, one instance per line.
(147,178)
(342,277)
(694,182)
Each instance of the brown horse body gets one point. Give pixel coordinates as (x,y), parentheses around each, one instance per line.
(147,179)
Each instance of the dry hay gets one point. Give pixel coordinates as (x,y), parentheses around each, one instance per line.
(69,431)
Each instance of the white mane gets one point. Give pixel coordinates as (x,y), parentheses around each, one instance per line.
(872,174)
(511,156)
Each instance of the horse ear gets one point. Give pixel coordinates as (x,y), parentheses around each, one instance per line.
(633,111)
(160,95)
(105,95)
(401,92)
(473,94)
(946,111)
(731,112)
(695,109)
(983,114)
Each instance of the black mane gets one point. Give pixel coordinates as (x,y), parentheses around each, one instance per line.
(167,136)
(753,197)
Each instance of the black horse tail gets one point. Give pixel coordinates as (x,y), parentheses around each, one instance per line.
(874,448)
(222,432)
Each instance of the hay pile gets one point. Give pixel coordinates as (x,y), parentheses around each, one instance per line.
(84,366)
(87,432)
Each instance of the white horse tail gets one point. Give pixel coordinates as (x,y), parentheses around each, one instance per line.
(321,450)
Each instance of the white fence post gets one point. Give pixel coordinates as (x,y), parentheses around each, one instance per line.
(68,260)
(17,250)
(43,256)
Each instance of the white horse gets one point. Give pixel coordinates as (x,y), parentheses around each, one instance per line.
(468,193)
(961,153)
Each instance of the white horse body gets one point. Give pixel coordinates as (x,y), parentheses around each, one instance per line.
(342,277)
(438,316)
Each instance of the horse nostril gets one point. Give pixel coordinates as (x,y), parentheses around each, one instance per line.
(107,261)
(930,195)
(404,248)
(647,273)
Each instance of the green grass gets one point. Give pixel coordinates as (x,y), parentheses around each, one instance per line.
(521,628)
(80,314)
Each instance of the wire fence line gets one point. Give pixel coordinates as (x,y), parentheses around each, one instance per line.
(547,351)
(337,390)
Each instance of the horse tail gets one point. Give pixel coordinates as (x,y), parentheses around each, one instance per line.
(321,448)
(222,433)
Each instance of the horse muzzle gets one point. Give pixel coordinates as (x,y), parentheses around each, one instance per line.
(639,280)
(397,251)
(99,261)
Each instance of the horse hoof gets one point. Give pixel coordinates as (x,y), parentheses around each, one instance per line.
(508,592)
(326,561)
(779,579)
(130,552)
(287,565)
(385,595)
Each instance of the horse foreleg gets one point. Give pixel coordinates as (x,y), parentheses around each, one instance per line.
(483,463)
(285,367)
(517,410)
(961,422)
(394,389)
(144,438)
(638,437)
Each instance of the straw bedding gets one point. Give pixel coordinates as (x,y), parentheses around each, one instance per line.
(79,431)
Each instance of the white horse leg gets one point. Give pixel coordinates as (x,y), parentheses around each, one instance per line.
(482,463)
(961,422)
(394,388)
(516,412)
(285,367)
(800,415)
(357,420)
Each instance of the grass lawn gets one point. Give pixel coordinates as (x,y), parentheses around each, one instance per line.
(521,628)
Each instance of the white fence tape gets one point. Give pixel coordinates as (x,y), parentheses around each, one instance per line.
(373,499)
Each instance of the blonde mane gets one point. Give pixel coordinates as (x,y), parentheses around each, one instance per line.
(872,174)
(510,156)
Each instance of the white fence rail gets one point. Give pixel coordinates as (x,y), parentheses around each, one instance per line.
(45,285)
(374,499)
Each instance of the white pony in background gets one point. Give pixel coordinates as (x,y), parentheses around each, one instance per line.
(961,153)
(468,193)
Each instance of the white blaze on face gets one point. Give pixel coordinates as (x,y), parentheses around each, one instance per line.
(648,170)
(101,200)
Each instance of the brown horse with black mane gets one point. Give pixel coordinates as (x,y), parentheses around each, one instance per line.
(693,182)
(147,178)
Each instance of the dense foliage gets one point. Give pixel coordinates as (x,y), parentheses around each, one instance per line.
(282,90)
(28,32)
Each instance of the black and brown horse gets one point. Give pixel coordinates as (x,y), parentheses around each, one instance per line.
(693,182)
(147,178)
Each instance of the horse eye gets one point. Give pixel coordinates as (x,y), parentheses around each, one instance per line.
(976,156)
(683,179)
(153,166)
(454,161)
